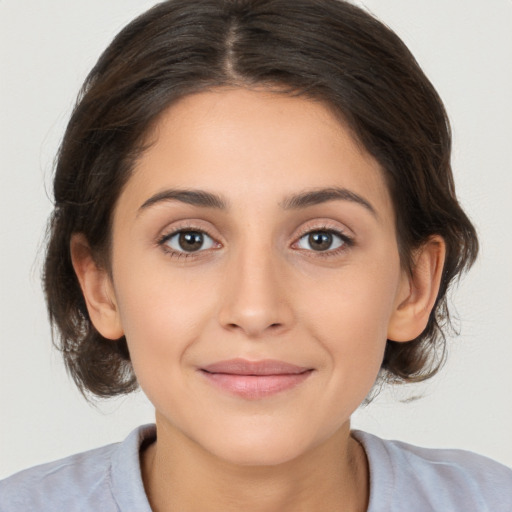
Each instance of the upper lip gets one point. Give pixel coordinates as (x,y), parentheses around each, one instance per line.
(262,367)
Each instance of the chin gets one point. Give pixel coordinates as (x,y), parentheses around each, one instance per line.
(256,455)
(261,448)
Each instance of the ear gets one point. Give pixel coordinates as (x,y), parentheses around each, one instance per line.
(97,289)
(418,292)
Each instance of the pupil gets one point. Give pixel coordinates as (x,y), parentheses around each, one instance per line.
(191,240)
(320,241)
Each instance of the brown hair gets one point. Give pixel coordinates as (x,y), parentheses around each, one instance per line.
(329,50)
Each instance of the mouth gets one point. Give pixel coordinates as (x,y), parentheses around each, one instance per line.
(253,380)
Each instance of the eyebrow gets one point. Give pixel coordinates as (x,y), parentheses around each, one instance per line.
(194,197)
(302,200)
(323,195)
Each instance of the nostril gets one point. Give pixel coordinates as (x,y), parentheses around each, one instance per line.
(272,327)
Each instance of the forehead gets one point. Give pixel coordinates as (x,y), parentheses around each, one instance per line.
(253,145)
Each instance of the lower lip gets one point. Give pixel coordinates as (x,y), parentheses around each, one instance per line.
(254,387)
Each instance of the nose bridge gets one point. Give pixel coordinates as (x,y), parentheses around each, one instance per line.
(254,298)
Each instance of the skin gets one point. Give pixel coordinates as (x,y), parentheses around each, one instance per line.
(257,289)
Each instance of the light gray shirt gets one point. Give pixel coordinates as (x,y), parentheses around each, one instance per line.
(403,478)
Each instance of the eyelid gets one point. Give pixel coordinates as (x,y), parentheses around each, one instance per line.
(190,226)
(184,227)
(326,227)
(167,238)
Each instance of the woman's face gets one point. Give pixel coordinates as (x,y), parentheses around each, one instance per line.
(255,230)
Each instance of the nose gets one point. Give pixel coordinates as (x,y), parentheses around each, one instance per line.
(254,294)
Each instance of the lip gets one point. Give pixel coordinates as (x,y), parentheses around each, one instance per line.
(253,380)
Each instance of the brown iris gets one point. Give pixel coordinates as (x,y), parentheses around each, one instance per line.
(191,240)
(320,241)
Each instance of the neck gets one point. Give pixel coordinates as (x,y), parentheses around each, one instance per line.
(179,475)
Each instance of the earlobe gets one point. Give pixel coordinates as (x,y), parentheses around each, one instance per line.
(419,291)
(97,289)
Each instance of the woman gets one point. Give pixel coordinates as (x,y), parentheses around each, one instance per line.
(254,220)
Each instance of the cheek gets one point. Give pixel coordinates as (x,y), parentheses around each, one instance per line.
(349,313)
(162,314)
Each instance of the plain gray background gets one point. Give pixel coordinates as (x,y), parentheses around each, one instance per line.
(46,49)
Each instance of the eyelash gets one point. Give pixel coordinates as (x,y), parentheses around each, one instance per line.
(162,242)
(347,241)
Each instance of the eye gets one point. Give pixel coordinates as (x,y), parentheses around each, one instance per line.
(323,240)
(187,241)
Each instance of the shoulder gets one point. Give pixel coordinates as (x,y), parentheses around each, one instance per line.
(81,482)
(61,483)
(410,477)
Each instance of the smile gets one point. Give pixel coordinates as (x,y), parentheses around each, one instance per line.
(253,380)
